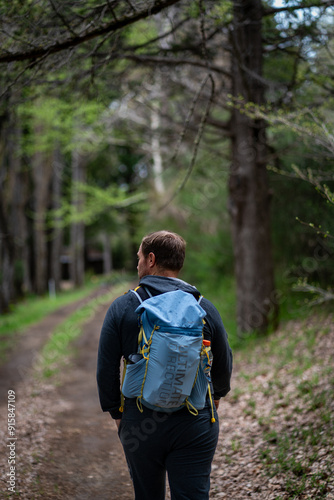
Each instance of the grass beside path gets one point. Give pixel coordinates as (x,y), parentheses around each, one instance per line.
(58,351)
(33,309)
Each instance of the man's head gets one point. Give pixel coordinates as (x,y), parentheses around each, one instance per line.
(161,253)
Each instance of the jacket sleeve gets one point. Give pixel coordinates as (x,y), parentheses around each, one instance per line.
(108,363)
(119,337)
(222,363)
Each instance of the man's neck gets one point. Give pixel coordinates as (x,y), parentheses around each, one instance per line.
(166,273)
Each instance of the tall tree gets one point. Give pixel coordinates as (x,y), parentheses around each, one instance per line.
(14,248)
(221,51)
(248,184)
(57,233)
(42,175)
(7,244)
(77,266)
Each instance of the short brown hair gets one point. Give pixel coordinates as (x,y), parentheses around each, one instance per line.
(169,249)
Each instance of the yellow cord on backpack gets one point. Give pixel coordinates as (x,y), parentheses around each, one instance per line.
(121,408)
(139,404)
(211,401)
(191,408)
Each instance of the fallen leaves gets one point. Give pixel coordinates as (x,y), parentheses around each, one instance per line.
(276,431)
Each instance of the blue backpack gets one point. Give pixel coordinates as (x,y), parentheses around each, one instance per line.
(167,372)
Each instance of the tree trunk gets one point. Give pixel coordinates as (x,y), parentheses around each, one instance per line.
(155,136)
(156,100)
(249,200)
(42,172)
(12,218)
(18,218)
(77,267)
(6,241)
(7,250)
(107,256)
(57,233)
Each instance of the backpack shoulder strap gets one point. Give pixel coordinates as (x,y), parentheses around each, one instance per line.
(141,293)
(137,294)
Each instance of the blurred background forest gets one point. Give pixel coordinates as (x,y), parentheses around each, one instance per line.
(213,119)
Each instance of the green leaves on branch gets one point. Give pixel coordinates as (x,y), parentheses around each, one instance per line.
(310,177)
(93,202)
(310,126)
(325,234)
(314,129)
(73,125)
(321,295)
(307,123)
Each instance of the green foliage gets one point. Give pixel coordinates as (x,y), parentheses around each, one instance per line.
(74,124)
(97,202)
(222,294)
(84,115)
(141,33)
(219,12)
(222,12)
(193,10)
(304,142)
(199,214)
(209,253)
(311,262)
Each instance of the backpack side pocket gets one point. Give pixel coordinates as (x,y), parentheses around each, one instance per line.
(133,379)
(197,397)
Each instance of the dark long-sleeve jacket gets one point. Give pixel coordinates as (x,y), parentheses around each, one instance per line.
(119,337)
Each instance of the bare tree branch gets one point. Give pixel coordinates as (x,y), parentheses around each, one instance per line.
(175,62)
(159,38)
(130,4)
(198,137)
(322,295)
(62,18)
(74,41)
(291,8)
(31,65)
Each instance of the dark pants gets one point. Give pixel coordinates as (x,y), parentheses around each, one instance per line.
(181,444)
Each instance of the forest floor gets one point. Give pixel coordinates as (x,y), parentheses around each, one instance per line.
(276,425)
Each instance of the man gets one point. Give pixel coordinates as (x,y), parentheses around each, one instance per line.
(155,442)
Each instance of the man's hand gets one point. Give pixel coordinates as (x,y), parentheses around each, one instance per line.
(216,402)
(118,422)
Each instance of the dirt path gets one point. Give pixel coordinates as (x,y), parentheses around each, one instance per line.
(85,459)
(66,447)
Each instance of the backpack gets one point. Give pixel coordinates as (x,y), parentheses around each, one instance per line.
(167,372)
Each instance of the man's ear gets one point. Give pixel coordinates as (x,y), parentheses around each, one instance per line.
(151,259)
